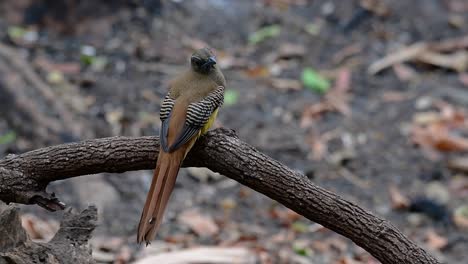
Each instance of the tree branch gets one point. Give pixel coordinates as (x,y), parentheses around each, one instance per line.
(23,179)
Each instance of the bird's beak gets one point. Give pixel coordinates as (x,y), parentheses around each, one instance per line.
(211,61)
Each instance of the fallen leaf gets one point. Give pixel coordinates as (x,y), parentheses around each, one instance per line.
(398,200)
(314,81)
(458,163)
(286,84)
(313,28)
(435,241)
(460,217)
(439,138)
(338,96)
(464,79)
(231,97)
(258,72)
(392,96)
(300,227)
(459,186)
(55,77)
(285,215)
(302,248)
(39,229)
(7,138)
(426,118)
(206,255)
(291,50)
(457,5)
(202,225)
(346,260)
(264,33)
(312,113)
(443,130)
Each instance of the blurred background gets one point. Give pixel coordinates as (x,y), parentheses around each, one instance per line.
(367,98)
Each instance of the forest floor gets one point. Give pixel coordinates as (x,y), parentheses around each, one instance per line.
(309,84)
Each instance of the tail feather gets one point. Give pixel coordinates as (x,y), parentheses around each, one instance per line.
(165,174)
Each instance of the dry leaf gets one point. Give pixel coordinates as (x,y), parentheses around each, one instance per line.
(312,113)
(460,217)
(338,96)
(284,215)
(464,79)
(336,99)
(398,200)
(391,96)
(286,84)
(435,241)
(459,186)
(291,50)
(202,225)
(257,72)
(377,7)
(346,260)
(458,163)
(39,229)
(441,130)
(460,6)
(439,137)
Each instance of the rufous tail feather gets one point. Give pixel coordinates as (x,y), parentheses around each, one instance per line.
(165,174)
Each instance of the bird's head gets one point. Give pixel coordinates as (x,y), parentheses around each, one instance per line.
(203,61)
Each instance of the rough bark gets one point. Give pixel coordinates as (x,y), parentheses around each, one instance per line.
(69,245)
(23,179)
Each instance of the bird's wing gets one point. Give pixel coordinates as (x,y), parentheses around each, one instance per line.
(198,113)
(165,114)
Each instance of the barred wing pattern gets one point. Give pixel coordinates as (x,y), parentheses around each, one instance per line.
(198,113)
(197,116)
(166,107)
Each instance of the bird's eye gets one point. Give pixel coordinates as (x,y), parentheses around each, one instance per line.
(197,61)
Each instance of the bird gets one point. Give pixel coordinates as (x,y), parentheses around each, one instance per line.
(187,111)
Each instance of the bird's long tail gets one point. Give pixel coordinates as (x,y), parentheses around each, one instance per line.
(164,178)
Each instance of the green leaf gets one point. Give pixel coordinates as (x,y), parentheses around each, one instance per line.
(230,97)
(300,227)
(99,63)
(7,138)
(314,81)
(15,32)
(264,33)
(312,28)
(87,60)
(301,249)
